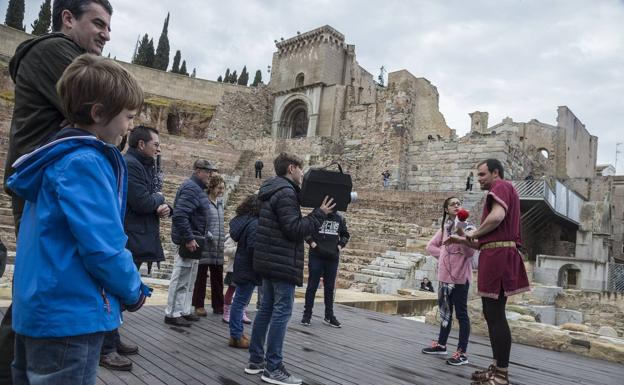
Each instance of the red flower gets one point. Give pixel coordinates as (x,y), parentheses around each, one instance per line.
(462,214)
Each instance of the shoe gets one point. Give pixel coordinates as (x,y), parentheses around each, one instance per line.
(201,312)
(114,361)
(177,321)
(253,368)
(190,317)
(241,343)
(127,348)
(458,358)
(332,321)
(305,321)
(217,311)
(246,319)
(484,374)
(226,314)
(280,377)
(435,348)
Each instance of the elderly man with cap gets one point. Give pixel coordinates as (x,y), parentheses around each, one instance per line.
(189,220)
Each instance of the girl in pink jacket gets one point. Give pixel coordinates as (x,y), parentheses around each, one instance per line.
(454,255)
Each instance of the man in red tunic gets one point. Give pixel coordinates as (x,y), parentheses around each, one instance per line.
(501,269)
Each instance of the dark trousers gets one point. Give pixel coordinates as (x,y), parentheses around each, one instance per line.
(458,300)
(7,336)
(317,268)
(498,328)
(258,173)
(216,287)
(111,341)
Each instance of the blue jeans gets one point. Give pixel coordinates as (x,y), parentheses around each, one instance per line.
(458,299)
(241,299)
(271,323)
(317,268)
(57,361)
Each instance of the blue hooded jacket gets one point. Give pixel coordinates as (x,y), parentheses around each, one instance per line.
(72,271)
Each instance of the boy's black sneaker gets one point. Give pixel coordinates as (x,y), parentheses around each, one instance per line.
(458,358)
(332,321)
(435,348)
(254,368)
(305,321)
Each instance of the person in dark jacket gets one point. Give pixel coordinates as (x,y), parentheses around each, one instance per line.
(323,258)
(259,166)
(426,285)
(243,231)
(35,69)
(278,258)
(212,255)
(190,218)
(146,205)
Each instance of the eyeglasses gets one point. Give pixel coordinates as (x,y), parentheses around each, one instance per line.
(456,204)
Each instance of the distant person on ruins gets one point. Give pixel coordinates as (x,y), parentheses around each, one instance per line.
(469,181)
(35,69)
(501,268)
(73,273)
(189,224)
(212,255)
(454,254)
(243,230)
(426,285)
(259,166)
(386,178)
(278,258)
(323,259)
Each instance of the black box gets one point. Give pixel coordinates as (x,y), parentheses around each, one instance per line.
(320,182)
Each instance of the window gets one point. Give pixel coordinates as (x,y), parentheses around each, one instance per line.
(299,80)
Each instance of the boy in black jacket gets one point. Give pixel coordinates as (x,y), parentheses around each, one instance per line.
(325,246)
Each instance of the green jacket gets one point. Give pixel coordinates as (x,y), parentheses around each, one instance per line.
(35,69)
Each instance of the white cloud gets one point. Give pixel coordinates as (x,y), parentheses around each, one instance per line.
(511,58)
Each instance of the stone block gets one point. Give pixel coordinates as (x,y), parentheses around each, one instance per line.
(607,331)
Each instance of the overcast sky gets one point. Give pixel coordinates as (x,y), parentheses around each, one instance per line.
(520,59)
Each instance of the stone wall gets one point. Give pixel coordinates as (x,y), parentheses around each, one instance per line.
(581,147)
(599,309)
(592,276)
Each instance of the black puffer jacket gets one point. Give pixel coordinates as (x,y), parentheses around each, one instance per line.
(142,223)
(243,230)
(190,211)
(281,231)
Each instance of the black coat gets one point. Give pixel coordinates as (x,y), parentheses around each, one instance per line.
(258,165)
(243,231)
(333,232)
(281,231)
(190,211)
(142,224)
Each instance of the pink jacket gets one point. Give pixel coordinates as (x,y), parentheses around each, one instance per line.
(454,261)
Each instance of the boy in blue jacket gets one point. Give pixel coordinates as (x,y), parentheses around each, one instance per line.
(72,271)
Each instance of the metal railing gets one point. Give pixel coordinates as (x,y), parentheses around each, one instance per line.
(615,281)
(561,199)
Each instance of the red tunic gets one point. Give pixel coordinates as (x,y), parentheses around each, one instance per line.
(502,267)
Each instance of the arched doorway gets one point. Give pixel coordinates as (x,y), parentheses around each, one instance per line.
(294,121)
(569,277)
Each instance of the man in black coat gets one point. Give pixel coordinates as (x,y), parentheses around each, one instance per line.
(259,166)
(146,204)
(278,258)
(78,26)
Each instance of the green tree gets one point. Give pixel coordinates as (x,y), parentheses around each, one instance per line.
(226,78)
(161,60)
(257,79)
(243,79)
(15,15)
(233,77)
(194,73)
(41,26)
(175,67)
(149,54)
(220,79)
(183,70)
(141,56)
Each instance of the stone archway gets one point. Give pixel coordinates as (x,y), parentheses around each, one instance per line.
(294,120)
(569,277)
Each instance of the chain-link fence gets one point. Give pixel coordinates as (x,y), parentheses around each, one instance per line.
(616,277)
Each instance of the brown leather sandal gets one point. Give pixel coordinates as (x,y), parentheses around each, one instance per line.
(483,375)
(498,377)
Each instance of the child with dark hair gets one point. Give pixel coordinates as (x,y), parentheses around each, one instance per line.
(454,276)
(243,231)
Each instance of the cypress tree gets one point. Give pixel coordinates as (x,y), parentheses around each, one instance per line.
(194,73)
(175,67)
(233,77)
(141,56)
(257,79)
(226,78)
(15,15)
(243,79)
(183,68)
(149,54)
(220,79)
(161,60)
(42,24)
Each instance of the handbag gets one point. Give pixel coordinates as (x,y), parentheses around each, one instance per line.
(188,254)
